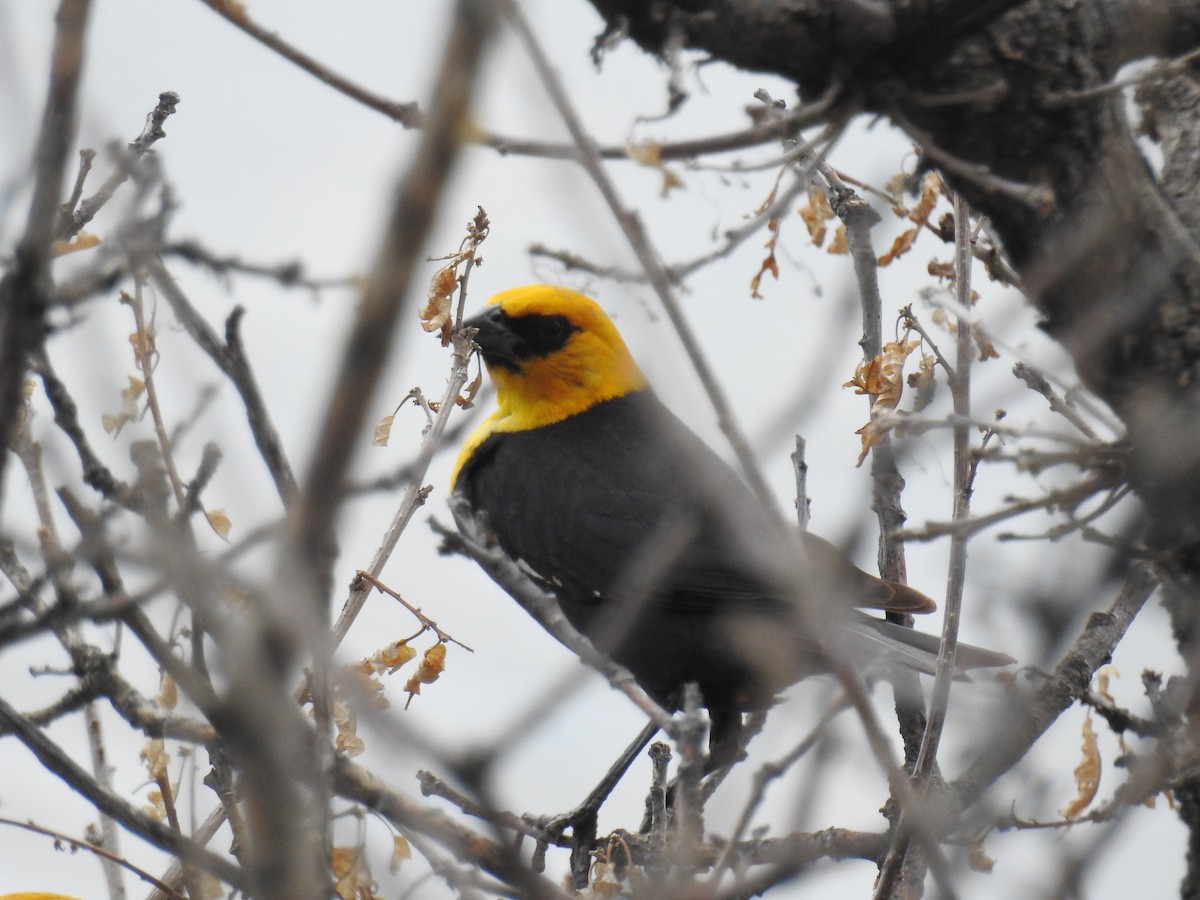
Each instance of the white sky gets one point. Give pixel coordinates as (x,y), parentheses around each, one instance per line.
(271,165)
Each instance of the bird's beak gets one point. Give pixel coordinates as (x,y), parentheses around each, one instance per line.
(495,339)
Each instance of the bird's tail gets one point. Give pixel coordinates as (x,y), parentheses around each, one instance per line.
(881,640)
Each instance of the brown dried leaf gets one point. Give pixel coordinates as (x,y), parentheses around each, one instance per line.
(1087,773)
(895,184)
(650,154)
(168,692)
(840,245)
(467,399)
(883,379)
(353,879)
(219,521)
(1102,679)
(871,433)
(901,245)
(922,381)
(392,657)
(647,153)
(154,754)
(769,264)
(603,880)
(143,344)
(347,740)
(400,851)
(435,314)
(670,181)
(84,240)
(155,809)
(940,269)
(978,860)
(815,213)
(129,405)
(930,188)
(987,350)
(433,663)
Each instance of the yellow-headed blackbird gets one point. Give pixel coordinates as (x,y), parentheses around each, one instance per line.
(653,546)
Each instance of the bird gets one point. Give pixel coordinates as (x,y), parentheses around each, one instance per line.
(653,546)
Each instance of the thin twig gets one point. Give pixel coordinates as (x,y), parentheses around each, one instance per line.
(762,779)
(630,225)
(72,219)
(963,488)
(54,760)
(410,116)
(25,288)
(1036,381)
(415,491)
(426,622)
(77,844)
(1066,684)
(1064,498)
(544,608)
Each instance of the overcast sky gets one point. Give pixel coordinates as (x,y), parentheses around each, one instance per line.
(269,164)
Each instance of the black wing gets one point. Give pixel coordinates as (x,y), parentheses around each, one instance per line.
(590,502)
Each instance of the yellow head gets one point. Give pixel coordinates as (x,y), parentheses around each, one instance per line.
(552,353)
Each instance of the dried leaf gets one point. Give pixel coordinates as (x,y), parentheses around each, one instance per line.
(84,240)
(1087,773)
(383,431)
(978,860)
(400,851)
(155,809)
(168,692)
(467,399)
(840,245)
(433,663)
(871,433)
(769,264)
(987,350)
(361,678)
(883,379)
(353,879)
(1101,682)
(220,522)
(129,405)
(392,657)
(815,213)
(347,740)
(901,245)
(930,188)
(603,881)
(134,389)
(670,181)
(940,269)
(923,382)
(435,314)
(650,154)
(154,754)
(143,344)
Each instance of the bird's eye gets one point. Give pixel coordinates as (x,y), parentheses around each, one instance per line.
(551,329)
